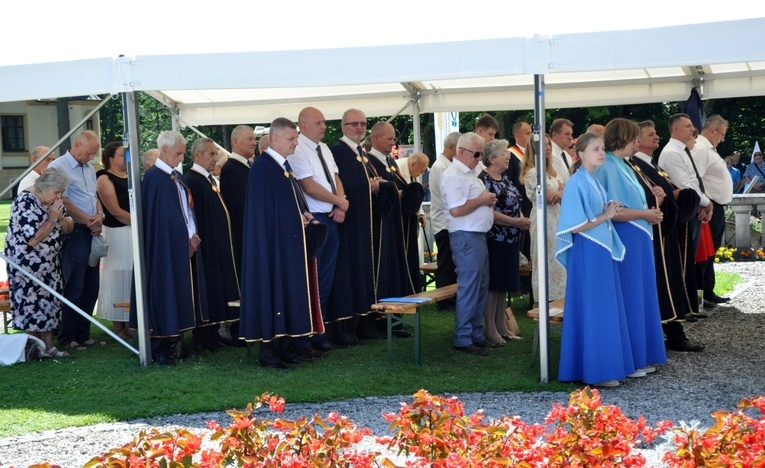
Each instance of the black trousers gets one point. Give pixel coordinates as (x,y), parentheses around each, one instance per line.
(447,271)
(705,271)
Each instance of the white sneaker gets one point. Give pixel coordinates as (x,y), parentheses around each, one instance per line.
(648,369)
(607,383)
(637,373)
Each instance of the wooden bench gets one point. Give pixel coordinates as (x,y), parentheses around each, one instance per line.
(554,319)
(429,271)
(410,314)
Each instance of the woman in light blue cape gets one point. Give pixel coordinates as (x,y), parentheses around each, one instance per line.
(595,347)
(637,271)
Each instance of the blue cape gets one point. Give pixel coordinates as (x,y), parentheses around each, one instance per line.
(581,203)
(622,185)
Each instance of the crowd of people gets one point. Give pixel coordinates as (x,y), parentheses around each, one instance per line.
(307,236)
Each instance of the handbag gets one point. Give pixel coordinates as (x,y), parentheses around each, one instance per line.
(98,249)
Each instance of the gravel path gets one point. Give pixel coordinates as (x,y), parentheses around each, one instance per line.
(690,387)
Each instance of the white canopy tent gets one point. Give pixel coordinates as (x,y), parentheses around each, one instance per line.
(582,69)
(725,59)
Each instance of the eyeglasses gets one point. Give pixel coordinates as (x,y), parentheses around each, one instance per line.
(722,134)
(476,154)
(355,124)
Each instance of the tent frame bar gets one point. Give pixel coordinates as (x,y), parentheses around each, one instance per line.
(57,144)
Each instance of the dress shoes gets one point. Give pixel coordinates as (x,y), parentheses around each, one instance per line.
(322,347)
(698,315)
(481,344)
(292,359)
(715,299)
(309,353)
(162,359)
(686,346)
(472,349)
(690,319)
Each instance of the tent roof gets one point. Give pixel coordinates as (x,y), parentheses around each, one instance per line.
(595,68)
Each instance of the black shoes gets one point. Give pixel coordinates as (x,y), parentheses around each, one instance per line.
(162,359)
(685,346)
(472,349)
(309,353)
(715,299)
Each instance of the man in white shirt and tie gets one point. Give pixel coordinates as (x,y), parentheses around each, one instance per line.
(317,174)
(562,137)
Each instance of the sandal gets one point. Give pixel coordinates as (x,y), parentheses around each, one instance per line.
(76,345)
(126,336)
(53,352)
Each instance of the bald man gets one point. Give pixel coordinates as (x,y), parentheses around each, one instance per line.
(412,216)
(149,158)
(81,281)
(393,275)
(36,154)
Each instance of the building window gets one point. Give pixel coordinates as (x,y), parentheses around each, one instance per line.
(13,133)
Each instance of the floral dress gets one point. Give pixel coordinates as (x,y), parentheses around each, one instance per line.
(33,308)
(502,241)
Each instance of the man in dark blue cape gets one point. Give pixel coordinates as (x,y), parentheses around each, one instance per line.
(353,289)
(174,275)
(276,302)
(214,226)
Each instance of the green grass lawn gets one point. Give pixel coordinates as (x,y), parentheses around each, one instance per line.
(107,383)
(5,213)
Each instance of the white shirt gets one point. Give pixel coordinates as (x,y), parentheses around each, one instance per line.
(190,224)
(713,171)
(241,159)
(28,181)
(380,156)
(557,161)
(437,216)
(458,185)
(305,163)
(353,145)
(675,161)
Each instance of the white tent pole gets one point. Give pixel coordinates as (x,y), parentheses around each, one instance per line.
(541,266)
(133,160)
(58,143)
(66,301)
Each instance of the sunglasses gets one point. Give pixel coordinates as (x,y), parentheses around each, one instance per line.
(476,154)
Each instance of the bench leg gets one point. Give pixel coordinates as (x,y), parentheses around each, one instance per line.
(535,344)
(417,337)
(390,337)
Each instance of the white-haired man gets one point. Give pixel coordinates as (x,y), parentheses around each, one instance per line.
(176,297)
(36,154)
(469,215)
(446,273)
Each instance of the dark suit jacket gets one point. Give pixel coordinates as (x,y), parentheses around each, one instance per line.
(233,188)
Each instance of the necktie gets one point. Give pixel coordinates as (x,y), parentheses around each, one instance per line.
(565,159)
(329,177)
(176,176)
(296,188)
(212,180)
(696,171)
(371,171)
